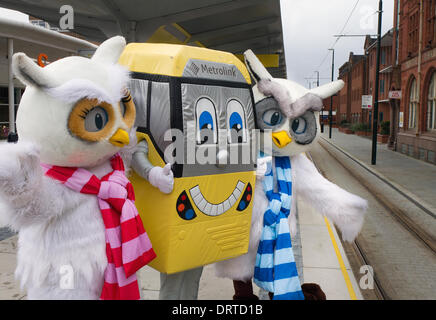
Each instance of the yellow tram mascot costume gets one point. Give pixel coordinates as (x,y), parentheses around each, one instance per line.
(194,168)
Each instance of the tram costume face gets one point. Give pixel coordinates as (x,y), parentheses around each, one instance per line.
(63,187)
(288,114)
(195,112)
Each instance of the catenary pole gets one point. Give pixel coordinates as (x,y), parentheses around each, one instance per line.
(331,98)
(322,110)
(377,87)
(11,87)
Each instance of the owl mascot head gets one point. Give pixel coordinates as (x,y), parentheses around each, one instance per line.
(63,185)
(287,115)
(287,109)
(72,108)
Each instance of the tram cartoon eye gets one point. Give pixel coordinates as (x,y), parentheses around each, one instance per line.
(206,122)
(237,132)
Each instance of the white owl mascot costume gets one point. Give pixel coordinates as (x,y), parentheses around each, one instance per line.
(288,114)
(63,186)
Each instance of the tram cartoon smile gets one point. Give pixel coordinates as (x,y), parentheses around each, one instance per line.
(186,212)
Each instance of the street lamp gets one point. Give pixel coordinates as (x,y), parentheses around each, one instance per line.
(331,98)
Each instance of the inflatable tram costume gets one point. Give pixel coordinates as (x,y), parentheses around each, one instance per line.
(195,111)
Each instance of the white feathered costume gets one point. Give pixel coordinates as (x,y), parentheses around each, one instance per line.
(61,245)
(278,103)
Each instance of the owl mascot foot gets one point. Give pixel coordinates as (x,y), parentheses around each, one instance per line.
(244,291)
(312,291)
(288,114)
(63,186)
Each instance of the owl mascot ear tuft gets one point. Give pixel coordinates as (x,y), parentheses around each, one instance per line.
(29,72)
(110,51)
(255,67)
(328,89)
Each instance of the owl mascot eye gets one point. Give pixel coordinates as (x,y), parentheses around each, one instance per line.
(63,184)
(287,114)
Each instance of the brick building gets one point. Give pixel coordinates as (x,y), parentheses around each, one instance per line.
(385,74)
(415,50)
(324,114)
(359,73)
(353,73)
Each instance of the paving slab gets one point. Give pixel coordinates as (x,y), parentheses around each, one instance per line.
(320,262)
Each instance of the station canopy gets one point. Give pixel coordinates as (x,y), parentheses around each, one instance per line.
(35,41)
(232,26)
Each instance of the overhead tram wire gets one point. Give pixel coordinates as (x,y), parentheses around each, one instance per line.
(325,57)
(342,30)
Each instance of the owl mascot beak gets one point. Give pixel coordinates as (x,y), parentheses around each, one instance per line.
(120,138)
(281,139)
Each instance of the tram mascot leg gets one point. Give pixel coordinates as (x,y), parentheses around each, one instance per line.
(291,113)
(63,184)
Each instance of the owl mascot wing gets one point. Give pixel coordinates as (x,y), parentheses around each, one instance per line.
(63,185)
(282,107)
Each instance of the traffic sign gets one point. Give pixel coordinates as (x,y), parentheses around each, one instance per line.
(367,102)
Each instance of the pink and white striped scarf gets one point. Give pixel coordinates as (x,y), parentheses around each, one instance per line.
(128,247)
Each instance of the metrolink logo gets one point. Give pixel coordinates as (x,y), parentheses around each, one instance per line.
(222,71)
(194,68)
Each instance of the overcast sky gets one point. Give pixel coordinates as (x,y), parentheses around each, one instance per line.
(309,26)
(308,29)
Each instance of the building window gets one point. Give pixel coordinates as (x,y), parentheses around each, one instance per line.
(421,153)
(413,27)
(381,117)
(413,102)
(382,86)
(411,151)
(383,57)
(430,22)
(431,108)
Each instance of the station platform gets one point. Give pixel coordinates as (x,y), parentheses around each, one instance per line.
(324,262)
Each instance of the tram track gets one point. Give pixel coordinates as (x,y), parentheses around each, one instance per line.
(361,251)
(394,209)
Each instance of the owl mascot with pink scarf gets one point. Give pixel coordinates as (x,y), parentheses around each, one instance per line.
(63,186)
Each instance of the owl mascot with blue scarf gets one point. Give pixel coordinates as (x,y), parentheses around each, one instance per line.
(288,116)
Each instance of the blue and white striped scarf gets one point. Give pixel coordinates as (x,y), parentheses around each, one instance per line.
(275,269)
